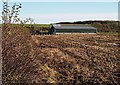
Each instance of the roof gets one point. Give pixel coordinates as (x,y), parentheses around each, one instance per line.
(72,26)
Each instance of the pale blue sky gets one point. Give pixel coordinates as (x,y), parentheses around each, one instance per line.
(69,7)
(64,0)
(51,12)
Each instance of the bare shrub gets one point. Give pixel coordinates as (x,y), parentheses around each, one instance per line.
(16,49)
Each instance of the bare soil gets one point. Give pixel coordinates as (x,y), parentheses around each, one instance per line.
(80,58)
(67,58)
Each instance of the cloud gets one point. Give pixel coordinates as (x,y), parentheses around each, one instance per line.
(53,18)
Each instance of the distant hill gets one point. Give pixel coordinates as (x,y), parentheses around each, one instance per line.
(88,22)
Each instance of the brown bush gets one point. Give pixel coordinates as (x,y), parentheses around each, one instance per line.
(16,49)
(19,59)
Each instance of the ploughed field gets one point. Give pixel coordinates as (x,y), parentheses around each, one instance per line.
(79,58)
(67,58)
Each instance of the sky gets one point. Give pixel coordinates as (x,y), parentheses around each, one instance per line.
(64,0)
(64,11)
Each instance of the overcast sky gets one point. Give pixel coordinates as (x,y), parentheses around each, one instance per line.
(52,12)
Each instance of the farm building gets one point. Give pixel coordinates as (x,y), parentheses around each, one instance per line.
(71,28)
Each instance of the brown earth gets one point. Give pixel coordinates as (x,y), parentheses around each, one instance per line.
(70,58)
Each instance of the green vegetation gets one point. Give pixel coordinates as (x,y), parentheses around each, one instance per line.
(109,33)
(106,26)
(37,28)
